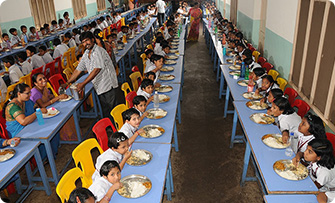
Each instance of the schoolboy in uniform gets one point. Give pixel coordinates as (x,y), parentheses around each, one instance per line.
(139,103)
(132,121)
(35,60)
(14,71)
(26,67)
(47,58)
(146,89)
(15,40)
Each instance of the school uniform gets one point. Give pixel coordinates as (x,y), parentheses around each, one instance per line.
(274,86)
(302,141)
(259,83)
(77,39)
(108,155)
(120,35)
(141,113)
(241,53)
(143,93)
(162,53)
(47,58)
(67,22)
(6,44)
(54,28)
(100,187)
(36,61)
(289,122)
(72,43)
(114,20)
(148,63)
(108,22)
(3,88)
(150,68)
(118,18)
(60,27)
(24,37)
(15,40)
(14,74)
(158,48)
(254,65)
(167,36)
(105,24)
(101,26)
(60,50)
(32,36)
(128,130)
(324,177)
(26,67)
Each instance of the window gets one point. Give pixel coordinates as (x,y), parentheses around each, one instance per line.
(43,11)
(79,9)
(312,66)
(101,5)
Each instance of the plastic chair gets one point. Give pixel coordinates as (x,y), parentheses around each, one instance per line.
(331,138)
(135,69)
(75,64)
(49,69)
(256,54)
(149,46)
(282,83)
(302,106)
(261,60)
(99,130)
(51,89)
(268,66)
(136,78)
(129,98)
(116,113)
(56,80)
(4,132)
(125,88)
(73,55)
(26,79)
(10,88)
(68,183)
(66,60)
(81,49)
(143,57)
(252,49)
(82,155)
(36,70)
(58,65)
(67,72)
(291,93)
(273,73)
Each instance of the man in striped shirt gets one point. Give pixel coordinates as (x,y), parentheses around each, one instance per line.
(101,73)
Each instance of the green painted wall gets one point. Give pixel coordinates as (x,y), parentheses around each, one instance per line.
(17,24)
(278,51)
(92,9)
(249,28)
(59,14)
(228,11)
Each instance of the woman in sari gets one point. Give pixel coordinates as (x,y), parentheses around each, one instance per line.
(196,14)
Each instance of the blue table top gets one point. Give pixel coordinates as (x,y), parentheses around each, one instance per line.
(265,156)
(167,122)
(155,170)
(177,72)
(236,90)
(24,151)
(290,198)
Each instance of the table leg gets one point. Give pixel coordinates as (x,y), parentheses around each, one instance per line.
(179,111)
(76,123)
(226,102)
(214,62)
(123,71)
(42,172)
(142,44)
(135,52)
(171,176)
(246,163)
(175,136)
(51,160)
(233,132)
(129,58)
(18,184)
(218,70)
(168,188)
(221,85)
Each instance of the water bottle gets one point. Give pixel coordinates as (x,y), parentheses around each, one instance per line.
(39,116)
(246,76)
(156,100)
(224,50)
(294,141)
(242,70)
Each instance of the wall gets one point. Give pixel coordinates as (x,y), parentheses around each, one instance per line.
(227,9)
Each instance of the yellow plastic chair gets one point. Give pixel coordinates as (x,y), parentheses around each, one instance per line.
(67,72)
(116,113)
(26,79)
(75,64)
(143,57)
(82,155)
(66,57)
(149,46)
(68,183)
(73,55)
(81,49)
(282,83)
(125,88)
(10,89)
(123,21)
(134,79)
(273,73)
(52,89)
(256,55)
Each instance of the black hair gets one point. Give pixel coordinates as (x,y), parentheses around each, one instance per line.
(113,35)
(68,35)
(108,36)
(126,115)
(57,42)
(82,193)
(113,29)
(247,53)
(86,35)
(46,25)
(31,28)
(123,27)
(4,35)
(240,44)
(159,39)
(170,29)
(131,24)
(138,99)
(34,78)
(248,61)
(150,73)
(108,16)
(108,166)
(60,21)
(159,33)
(85,26)
(9,59)
(316,126)
(269,78)
(102,18)
(258,71)
(42,28)
(148,51)
(239,35)
(43,47)
(146,82)
(22,26)
(284,105)
(79,56)
(65,14)
(276,93)
(22,55)
(230,26)
(32,49)
(324,149)
(155,57)
(76,31)
(93,24)
(20,88)
(166,46)
(12,30)
(115,139)
(164,42)
(53,22)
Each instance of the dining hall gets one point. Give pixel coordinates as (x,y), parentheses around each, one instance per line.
(167,101)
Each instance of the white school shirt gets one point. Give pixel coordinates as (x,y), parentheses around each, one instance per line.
(108,155)
(26,67)
(114,20)
(36,61)
(53,28)
(60,50)
(14,74)
(72,43)
(67,22)
(289,122)
(118,18)
(167,35)
(47,58)
(162,53)
(14,40)
(3,88)
(150,68)
(303,141)
(254,65)
(158,48)
(259,82)
(160,4)
(105,23)
(77,39)
(32,35)
(148,63)
(324,177)
(101,26)
(100,187)
(108,22)
(120,35)
(128,130)
(143,93)
(274,86)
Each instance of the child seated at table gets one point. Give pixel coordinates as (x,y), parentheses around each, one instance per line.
(169,35)
(158,62)
(321,169)
(61,25)
(311,127)
(46,26)
(165,50)
(42,32)
(54,27)
(67,20)
(124,31)
(268,83)
(14,71)
(108,181)
(26,67)
(15,40)
(158,47)
(76,34)
(114,31)
(131,119)
(60,48)
(34,59)
(108,20)
(43,52)
(240,48)
(85,28)
(146,89)
(273,95)
(256,74)
(152,76)
(24,36)
(139,103)
(6,44)
(131,29)
(148,53)
(118,151)
(32,35)
(68,39)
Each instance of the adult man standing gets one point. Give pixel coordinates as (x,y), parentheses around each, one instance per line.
(160,7)
(101,72)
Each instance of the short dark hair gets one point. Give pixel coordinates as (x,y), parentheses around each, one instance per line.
(123,27)
(240,44)
(86,35)
(316,126)
(22,26)
(93,24)
(46,25)
(146,82)
(22,55)
(76,31)
(150,73)
(148,51)
(4,35)
(65,14)
(138,99)
(166,46)
(42,28)
(82,193)
(170,29)
(258,71)
(53,22)
(284,105)
(9,59)
(108,166)
(68,35)
(12,30)
(247,53)
(239,35)
(43,47)
(60,21)
(31,28)
(276,93)
(57,42)
(126,115)
(156,57)
(115,139)
(32,49)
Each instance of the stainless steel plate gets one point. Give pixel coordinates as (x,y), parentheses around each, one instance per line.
(285,169)
(262,118)
(256,105)
(166,77)
(129,182)
(164,88)
(137,161)
(6,154)
(274,141)
(156,113)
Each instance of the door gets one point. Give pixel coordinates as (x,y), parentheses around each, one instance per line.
(233,11)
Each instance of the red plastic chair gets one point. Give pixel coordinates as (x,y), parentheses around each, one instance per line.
(99,130)
(291,93)
(49,69)
(56,80)
(130,96)
(58,65)
(268,66)
(249,46)
(135,69)
(252,49)
(302,106)
(331,138)
(261,61)
(34,71)
(3,133)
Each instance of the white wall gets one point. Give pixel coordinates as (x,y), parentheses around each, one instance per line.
(281,16)
(257,9)
(14,10)
(90,1)
(246,7)
(62,4)
(228,2)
